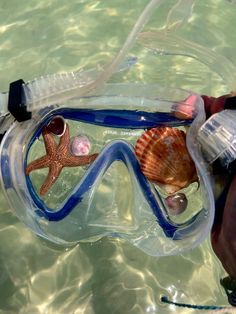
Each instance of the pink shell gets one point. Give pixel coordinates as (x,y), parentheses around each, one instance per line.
(80,145)
(186,109)
(164,158)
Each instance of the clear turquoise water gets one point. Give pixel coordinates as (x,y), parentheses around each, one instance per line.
(109,276)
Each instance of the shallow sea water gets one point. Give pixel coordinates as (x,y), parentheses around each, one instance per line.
(109,276)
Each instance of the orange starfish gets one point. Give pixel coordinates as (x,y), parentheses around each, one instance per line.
(57,157)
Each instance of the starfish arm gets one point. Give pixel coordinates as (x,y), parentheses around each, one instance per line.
(49,142)
(64,140)
(73,161)
(53,174)
(39,163)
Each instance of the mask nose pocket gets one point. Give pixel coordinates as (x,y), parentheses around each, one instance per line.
(114,201)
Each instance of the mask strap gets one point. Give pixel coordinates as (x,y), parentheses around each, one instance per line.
(54,89)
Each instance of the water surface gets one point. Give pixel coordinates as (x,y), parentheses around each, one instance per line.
(109,276)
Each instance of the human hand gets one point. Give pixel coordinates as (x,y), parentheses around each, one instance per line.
(223,233)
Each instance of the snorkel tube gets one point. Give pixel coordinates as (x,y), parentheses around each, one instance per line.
(114,117)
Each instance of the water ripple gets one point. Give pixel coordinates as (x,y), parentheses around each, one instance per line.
(109,276)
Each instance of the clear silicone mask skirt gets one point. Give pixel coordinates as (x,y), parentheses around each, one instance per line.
(110,196)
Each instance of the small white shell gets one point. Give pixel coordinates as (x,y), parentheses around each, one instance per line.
(80,145)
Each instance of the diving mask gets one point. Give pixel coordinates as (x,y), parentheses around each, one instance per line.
(111,187)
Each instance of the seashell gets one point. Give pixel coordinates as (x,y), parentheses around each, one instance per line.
(186,109)
(164,158)
(80,145)
(176,203)
(57,126)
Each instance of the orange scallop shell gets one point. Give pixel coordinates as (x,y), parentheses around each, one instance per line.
(164,158)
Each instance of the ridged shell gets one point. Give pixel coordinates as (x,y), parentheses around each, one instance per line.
(164,158)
